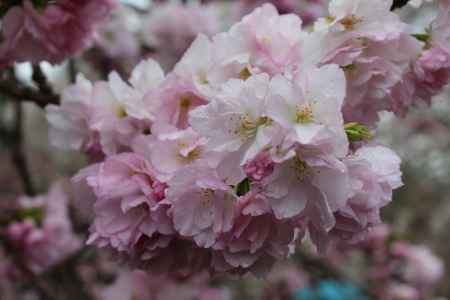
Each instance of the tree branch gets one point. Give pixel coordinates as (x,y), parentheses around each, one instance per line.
(399,4)
(14,89)
(19,156)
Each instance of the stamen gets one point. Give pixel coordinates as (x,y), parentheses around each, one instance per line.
(305,115)
(350,22)
(300,167)
(121,112)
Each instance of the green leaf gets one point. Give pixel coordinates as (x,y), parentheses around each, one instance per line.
(357,132)
(423,37)
(34,213)
(349,68)
(40,3)
(243,187)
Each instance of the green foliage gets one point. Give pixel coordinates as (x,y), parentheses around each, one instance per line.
(357,132)
(34,213)
(243,187)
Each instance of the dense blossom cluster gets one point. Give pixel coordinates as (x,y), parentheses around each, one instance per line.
(35,31)
(254,138)
(43,232)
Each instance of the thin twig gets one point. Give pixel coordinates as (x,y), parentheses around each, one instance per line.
(41,80)
(19,156)
(399,4)
(20,93)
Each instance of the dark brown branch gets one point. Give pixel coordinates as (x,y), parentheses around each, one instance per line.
(19,156)
(41,80)
(399,4)
(14,89)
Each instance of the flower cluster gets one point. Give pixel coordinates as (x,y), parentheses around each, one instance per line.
(38,31)
(387,69)
(43,232)
(250,142)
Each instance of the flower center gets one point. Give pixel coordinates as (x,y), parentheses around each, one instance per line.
(245,74)
(249,126)
(120,112)
(350,22)
(207,196)
(300,167)
(202,78)
(191,155)
(305,115)
(185,102)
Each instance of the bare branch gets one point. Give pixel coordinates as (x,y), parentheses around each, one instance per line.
(12,88)
(19,157)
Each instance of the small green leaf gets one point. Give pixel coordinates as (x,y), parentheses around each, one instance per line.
(40,3)
(357,132)
(423,37)
(243,187)
(350,67)
(34,213)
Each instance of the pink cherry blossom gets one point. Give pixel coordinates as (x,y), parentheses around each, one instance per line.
(423,269)
(310,112)
(128,207)
(374,173)
(201,204)
(233,125)
(273,45)
(44,245)
(307,10)
(364,18)
(256,240)
(226,162)
(171,27)
(104,117)
(57,32)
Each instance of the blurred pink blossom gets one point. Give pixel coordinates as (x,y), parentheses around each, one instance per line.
(52,34)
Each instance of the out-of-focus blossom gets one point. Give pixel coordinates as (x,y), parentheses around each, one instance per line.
(398,291)
(173,26)
(118,38)
(51,33)
(395,268)
(307,10)
(422,268)
(45,235)
(140,285)
(418,3)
